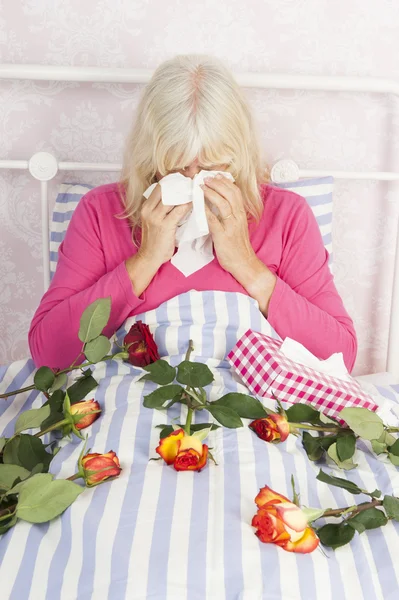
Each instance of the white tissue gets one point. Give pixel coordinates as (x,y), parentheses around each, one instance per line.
(193,240)
(334,365)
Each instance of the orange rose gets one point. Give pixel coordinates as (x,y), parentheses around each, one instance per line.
(279,521)
(184,452)
(100,467)
(91,408)
(274,428)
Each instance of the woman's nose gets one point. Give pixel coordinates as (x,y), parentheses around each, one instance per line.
(191,171)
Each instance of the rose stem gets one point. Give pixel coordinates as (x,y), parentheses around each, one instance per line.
(190,411)
(354,510)
(316,427)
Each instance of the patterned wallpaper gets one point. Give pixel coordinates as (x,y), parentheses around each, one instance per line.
(87,122)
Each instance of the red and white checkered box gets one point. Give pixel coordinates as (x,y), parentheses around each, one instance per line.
(257,359)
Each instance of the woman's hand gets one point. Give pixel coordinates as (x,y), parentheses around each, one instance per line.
(158,239)
(230,228)
(158,228)
(231,241)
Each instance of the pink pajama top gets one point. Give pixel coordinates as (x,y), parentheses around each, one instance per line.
(304,305)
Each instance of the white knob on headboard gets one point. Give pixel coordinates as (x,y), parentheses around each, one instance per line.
(43,166)
(284,171)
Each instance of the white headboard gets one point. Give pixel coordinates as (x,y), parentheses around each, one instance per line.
(44,166)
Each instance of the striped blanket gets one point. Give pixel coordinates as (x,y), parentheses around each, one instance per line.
(162,535)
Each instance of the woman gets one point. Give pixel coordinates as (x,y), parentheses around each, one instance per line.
(267,244)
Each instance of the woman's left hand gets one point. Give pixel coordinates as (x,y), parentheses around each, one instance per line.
(230,236)
(230,229)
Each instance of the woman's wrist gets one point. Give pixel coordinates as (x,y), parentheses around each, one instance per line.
(141,271)
(257,279)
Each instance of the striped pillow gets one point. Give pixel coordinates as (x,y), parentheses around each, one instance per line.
(317,192)
(67,199)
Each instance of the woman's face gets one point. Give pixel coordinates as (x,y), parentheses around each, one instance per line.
(193,169)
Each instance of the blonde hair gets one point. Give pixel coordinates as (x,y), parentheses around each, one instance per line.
(192,107)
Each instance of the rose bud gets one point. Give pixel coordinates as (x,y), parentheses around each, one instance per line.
(90,408)
(100,467)
(274,428)
(279,521)
(141,345)
(184,452)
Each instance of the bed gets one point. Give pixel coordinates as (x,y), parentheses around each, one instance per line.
(154,533)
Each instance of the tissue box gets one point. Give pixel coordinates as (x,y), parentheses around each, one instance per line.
(257,359)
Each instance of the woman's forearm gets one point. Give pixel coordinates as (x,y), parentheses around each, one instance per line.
(141,271)
(257,279)
(292,315)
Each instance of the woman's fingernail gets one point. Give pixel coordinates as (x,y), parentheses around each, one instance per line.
(218,176)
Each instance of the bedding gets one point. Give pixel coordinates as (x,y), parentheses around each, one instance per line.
(155,533)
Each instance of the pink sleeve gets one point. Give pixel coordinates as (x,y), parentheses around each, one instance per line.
(80,278)
(305,304)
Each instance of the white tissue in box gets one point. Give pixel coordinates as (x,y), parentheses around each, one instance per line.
(334,365)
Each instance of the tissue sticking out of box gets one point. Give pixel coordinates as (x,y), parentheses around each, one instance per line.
(334,365)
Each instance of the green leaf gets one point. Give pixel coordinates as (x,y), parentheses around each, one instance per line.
(338,482)
(368,519)
(312,446)
(96,349)
(226,416)
(245,406)
(201,434)
(375,494)
(302,413)
(41,498)
(2,443)
(7,524)
(59,382)
(9,474)
(30,419)
(394,449)
(378,447)
(27,451)
(312,514)
(157,398)
(316,445)
(82,387)
(55,402)
(387,438)
(44,378)
(347,465)
(335,535)
(178,398)
(394,459)
(346,446)
(94,319)
(159,372)
(365,423)
(194,374)
(391,505)
(167,429)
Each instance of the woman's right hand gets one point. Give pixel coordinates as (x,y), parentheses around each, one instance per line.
(158,228)
(158,239)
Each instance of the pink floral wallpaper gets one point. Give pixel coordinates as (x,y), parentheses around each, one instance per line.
(320,130)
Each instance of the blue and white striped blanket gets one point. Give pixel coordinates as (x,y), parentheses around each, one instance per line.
(162,535)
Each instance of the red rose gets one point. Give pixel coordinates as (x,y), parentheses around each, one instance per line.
(91,408)
(274,428)
(141,345)
(100,467)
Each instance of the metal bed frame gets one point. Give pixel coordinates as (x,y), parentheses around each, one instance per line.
(43,166)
